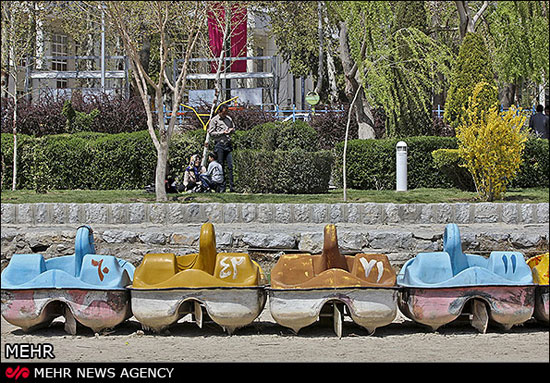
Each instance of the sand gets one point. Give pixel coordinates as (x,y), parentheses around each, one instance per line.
(265,341)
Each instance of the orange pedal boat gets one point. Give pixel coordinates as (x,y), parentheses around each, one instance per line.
(362,285)
(229,287)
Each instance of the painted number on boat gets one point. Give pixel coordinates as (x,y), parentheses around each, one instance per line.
(368,266)
(226,270)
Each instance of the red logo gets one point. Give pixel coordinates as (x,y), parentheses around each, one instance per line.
(15,374)
(99,270)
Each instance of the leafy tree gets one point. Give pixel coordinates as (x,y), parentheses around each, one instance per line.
(382,51)
(413,115)
(520,42)
(294,28)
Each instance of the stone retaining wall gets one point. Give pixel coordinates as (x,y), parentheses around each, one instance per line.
(265,242)
(400,231)
(362,213)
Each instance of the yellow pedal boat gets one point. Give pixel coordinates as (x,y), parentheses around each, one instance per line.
(228,287)
(539,266)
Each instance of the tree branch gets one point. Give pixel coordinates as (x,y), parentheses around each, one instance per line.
(480,13)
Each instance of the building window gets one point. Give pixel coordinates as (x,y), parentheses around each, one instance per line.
(59,48)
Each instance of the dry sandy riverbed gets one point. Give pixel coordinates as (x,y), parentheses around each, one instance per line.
(266,341)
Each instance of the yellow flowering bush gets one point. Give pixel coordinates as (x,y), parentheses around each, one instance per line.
(490,144)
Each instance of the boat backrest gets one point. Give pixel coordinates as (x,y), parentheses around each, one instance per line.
(154,269)
(453,246)
(84,244)
(206,259)
(331,258)
(23,268)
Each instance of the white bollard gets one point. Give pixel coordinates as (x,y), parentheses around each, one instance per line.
(401,166)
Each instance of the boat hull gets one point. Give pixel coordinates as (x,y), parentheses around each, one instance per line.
(35,308)
(368,307)
(542,304)
(229,307)
(435,307)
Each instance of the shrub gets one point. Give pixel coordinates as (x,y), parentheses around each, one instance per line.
(38,118)
(331,128)
(279,136)
(491,146)
(448,162)
(281,157)
(90,160)
(81,161)
(78,121)
(534,169)
(25,148)
(45,116)
(135,158)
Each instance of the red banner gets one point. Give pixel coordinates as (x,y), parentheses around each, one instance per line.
(238,37)
(238,31)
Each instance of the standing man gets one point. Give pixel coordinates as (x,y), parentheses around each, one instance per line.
(220,129)
(538,123)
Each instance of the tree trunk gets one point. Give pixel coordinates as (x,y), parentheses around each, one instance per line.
(162,149)
(160,172)
(14,175)
(507,95)
(344,156)
(320,70)
(331,72)
(468,22)
(363,112)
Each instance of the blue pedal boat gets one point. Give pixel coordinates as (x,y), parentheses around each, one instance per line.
(85,287)
(438,287)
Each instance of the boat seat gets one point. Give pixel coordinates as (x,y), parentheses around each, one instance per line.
(430,268)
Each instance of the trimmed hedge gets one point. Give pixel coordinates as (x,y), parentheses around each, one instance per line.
(534,170)
(282,171)
(88,160)
(127,161)
(447,160)
(80,161)
(278,136)
(371,163)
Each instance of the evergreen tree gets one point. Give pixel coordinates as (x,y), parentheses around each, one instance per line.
(473,65)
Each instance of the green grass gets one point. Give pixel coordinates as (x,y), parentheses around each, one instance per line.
(531,195)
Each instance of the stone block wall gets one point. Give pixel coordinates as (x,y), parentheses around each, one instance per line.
(130,231)
(359,213)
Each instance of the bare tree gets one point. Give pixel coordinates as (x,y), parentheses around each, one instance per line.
(18,38)
(222,17)
(176,24)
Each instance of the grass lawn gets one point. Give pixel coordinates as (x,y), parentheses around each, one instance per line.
(531,195)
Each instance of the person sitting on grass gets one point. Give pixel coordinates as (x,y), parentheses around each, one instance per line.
(191,180)
(213,178)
